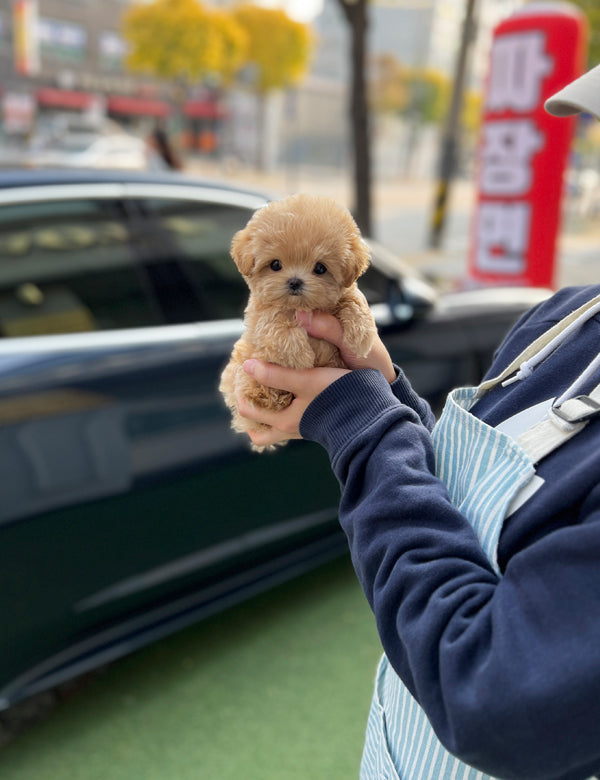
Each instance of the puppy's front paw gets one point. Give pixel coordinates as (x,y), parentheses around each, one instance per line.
(261,397)
(359,338)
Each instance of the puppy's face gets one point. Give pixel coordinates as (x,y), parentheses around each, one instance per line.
(285,281)
(300,253)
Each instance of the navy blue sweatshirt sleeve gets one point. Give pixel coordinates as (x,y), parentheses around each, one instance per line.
(507,669)
(403,391)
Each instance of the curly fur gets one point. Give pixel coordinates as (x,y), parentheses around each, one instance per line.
(302,253)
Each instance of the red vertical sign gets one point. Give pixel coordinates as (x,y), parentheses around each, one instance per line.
(523,151)
(25,15)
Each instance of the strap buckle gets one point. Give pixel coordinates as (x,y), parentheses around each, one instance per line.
(579,409)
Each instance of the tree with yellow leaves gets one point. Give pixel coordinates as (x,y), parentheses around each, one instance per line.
(233,42)
(183,40)
(188,41)
(278,47)
(277,57)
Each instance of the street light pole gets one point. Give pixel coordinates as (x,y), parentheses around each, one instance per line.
(450,141)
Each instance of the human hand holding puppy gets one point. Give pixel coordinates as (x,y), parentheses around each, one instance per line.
(323,326)
(305,385)
(297,255)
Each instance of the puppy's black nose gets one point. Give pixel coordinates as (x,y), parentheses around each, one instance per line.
(295,285)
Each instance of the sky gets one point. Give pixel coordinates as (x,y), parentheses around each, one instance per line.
(300,10)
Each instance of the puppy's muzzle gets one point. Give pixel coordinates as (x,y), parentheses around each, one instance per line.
(295,286)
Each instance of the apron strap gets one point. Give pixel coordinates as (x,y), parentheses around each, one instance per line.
(557,333)
(563,422)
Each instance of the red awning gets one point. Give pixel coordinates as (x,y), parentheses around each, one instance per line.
(123,104)
(202,109)
(64,98)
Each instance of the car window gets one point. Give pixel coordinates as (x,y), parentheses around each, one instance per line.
(68,266)
(197,237)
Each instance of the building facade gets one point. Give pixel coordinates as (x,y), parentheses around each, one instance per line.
(75,63)
(68,56)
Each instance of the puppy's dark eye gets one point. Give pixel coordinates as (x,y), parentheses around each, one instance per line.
(319,269)
(276,265)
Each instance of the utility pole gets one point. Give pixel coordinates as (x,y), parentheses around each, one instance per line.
(451,141)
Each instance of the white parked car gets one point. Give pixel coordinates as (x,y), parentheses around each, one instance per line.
(91,150)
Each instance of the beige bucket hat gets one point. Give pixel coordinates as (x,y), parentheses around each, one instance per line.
(581,95)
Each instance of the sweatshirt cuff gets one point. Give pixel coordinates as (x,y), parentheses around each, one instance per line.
(404,392)
(402,389)
(347,407)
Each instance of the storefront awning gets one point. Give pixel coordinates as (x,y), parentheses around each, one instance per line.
(123,104)
(202,109)
(52,97)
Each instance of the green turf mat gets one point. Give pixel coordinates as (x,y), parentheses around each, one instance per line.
(277,688)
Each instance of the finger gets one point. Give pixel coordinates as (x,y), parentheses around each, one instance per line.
(266,438)
(285,422)
(272,375)
(256,413)
(329,328)
(320,325)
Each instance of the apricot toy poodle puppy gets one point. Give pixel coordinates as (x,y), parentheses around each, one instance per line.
(302,253)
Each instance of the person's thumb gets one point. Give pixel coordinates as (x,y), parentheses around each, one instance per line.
(272,375)
(321,326)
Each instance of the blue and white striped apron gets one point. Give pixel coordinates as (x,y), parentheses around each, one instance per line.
(484,469)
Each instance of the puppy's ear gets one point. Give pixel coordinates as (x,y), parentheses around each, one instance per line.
(358,259)
(241,251)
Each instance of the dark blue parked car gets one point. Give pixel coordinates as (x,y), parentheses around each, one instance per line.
(128,508)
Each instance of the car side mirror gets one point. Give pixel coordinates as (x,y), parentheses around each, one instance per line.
(409,299)
(400,307)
